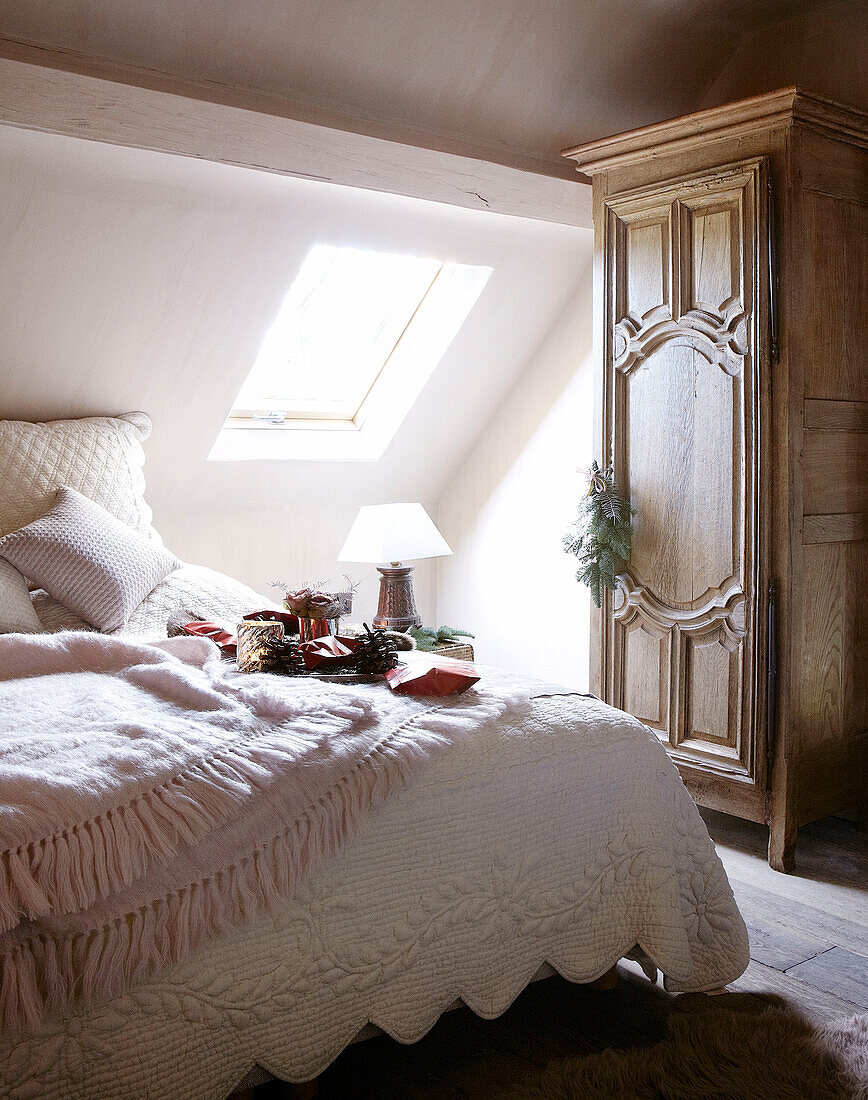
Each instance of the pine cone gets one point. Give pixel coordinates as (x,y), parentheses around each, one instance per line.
(285,657)
(375,652)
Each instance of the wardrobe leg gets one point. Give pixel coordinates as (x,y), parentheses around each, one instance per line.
(783,833)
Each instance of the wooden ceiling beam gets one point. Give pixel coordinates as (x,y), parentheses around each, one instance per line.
(63,93)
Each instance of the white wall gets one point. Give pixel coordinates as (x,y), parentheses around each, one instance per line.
(506,509)
(136,280)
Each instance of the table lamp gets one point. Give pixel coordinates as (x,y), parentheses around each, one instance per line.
(394,533)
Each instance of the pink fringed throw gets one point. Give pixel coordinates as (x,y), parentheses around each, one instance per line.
(149,800)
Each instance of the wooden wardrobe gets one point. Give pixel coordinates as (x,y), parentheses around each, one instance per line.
(731,327)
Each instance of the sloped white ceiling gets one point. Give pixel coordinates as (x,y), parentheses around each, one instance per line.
(131,279)
(521,78)
(137,280)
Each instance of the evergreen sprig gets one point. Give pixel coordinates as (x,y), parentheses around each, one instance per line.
(427,639)
(602,536)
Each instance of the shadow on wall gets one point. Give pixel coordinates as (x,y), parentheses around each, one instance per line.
(821,50)
(505,511)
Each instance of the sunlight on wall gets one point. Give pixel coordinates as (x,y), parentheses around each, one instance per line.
(505,512)
(134,280)
(341,391)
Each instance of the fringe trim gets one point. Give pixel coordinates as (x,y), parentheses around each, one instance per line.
(91,860)
(42,974)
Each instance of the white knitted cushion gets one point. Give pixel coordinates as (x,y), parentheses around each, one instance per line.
(191,592)
(17,614)
(98,567)
(99,456)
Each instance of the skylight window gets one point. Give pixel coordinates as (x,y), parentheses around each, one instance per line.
(356,338)
(340,321)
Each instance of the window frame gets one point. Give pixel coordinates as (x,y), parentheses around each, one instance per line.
(440,317)
(313,420)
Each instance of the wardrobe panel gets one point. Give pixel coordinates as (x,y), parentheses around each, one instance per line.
(835,471)
(682,436)
(713,677)
(710,230)
(830,325)
(645,675)
(833,677)
(643,241)
(681,455)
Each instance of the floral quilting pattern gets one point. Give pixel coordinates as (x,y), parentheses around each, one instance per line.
(569,840)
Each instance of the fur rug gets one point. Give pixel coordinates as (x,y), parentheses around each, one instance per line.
(721,1055)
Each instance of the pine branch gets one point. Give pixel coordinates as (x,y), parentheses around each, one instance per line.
(449,633)
(611,506)
(601,538)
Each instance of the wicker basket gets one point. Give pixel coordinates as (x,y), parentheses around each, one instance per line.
(460,651)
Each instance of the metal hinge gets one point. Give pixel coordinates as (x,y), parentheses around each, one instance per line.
(771,676)
(773,269)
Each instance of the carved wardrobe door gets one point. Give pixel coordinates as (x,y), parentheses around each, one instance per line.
(681,417)
(729,323)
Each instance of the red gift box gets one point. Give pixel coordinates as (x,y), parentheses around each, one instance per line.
(328,652)
(216,633)
(432,675)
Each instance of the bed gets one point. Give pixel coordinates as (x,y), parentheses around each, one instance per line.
(559,837)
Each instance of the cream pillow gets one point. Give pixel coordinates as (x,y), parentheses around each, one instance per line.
(98,567)
(17,615)
(100,457)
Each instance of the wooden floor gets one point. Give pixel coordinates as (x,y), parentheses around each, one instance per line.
(809,930)
(809,951)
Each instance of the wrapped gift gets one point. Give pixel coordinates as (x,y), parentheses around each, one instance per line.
(432,675)
(328,653)
(215,632)
(253,637)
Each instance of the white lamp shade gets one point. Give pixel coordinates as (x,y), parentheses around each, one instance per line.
(393,532)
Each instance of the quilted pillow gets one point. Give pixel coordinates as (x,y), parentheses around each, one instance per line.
(192,591)
(100,457)
(92,563)
(17,615)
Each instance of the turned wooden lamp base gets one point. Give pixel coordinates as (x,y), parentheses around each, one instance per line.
(397,608)
(394,533)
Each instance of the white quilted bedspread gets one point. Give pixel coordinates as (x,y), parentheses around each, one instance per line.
(569,839)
